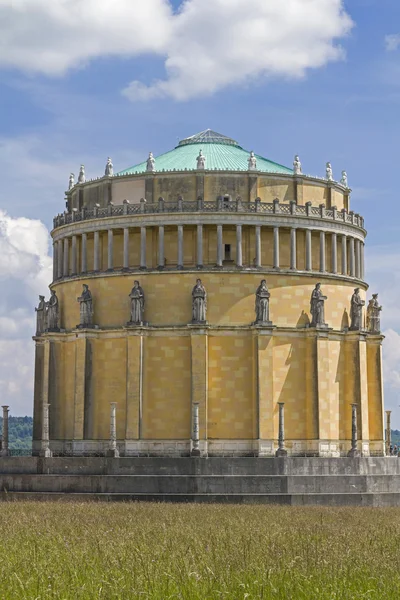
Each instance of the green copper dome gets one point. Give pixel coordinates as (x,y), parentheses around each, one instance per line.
(221,153)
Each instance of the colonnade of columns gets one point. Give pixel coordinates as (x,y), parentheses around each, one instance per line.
(352,251)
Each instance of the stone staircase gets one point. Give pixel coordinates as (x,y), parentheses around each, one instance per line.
(292,481)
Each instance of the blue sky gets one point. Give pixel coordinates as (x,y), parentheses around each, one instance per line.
(80,81)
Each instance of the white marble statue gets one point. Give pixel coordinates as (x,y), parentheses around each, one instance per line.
(151,163)
(82,176)
(252,161)
(329,172)
(137,304)
(297,165)
(71,182)
(344,181)
(109,172)
(201,160)
(199,303)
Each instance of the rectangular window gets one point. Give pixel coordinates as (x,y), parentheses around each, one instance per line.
(227,252)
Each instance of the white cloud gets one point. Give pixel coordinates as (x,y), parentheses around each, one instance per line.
(208,44)
(53,36)
(392,42)
(25,272)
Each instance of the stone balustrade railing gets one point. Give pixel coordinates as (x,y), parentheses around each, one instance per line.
(221,205)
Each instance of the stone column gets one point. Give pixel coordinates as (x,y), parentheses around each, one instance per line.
(74,256)
(96,251)
(199,246)
(353,452)
(199,384)
(258,246)
(161,258)
(322,262)
(4,438)
(239,256)
(110,253)
(112,449)
(126,248)
(84,253)
(293,249)
(195,451)
(352,258)
(344,255)
(45,442)
(60,259)
(143,262)
(334,253)
(55,261)
(276,247)
(281,438)
(308,250)
(388,432)
(180,247)
(219,246)
(362,264)
(358,259)
(66,258)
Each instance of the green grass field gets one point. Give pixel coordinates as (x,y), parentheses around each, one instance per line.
(128,551)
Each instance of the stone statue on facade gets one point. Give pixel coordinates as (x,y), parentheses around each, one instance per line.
(41,316)
(356,307)
(71,181)
(201,160)
(82,176)
(137,304)
(297,166)
(317,307)
(199,303)
(109,171)
(53,312)
(343,180)
(329,172)
(374,315)
(252,161)
(262,304)
(86,307)
(151,163)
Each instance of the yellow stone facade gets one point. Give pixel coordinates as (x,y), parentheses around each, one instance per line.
(236,372)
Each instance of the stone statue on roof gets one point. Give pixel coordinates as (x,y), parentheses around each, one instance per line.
(356,307)
(53,312)
(199,303)
(137,304)
(41,316)
(344,181)
(317,307)
(71,182)
(109,172)
(252,161)
(201,160)
(297,165)
(262,304)
(374,315)
(86,307)
(82,176)
(329,172)
(151,163)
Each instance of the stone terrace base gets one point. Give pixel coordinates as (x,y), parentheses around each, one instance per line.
(296,481)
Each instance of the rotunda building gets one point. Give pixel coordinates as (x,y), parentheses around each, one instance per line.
(208,292)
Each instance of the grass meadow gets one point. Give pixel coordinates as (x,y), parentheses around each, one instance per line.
(85,551)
